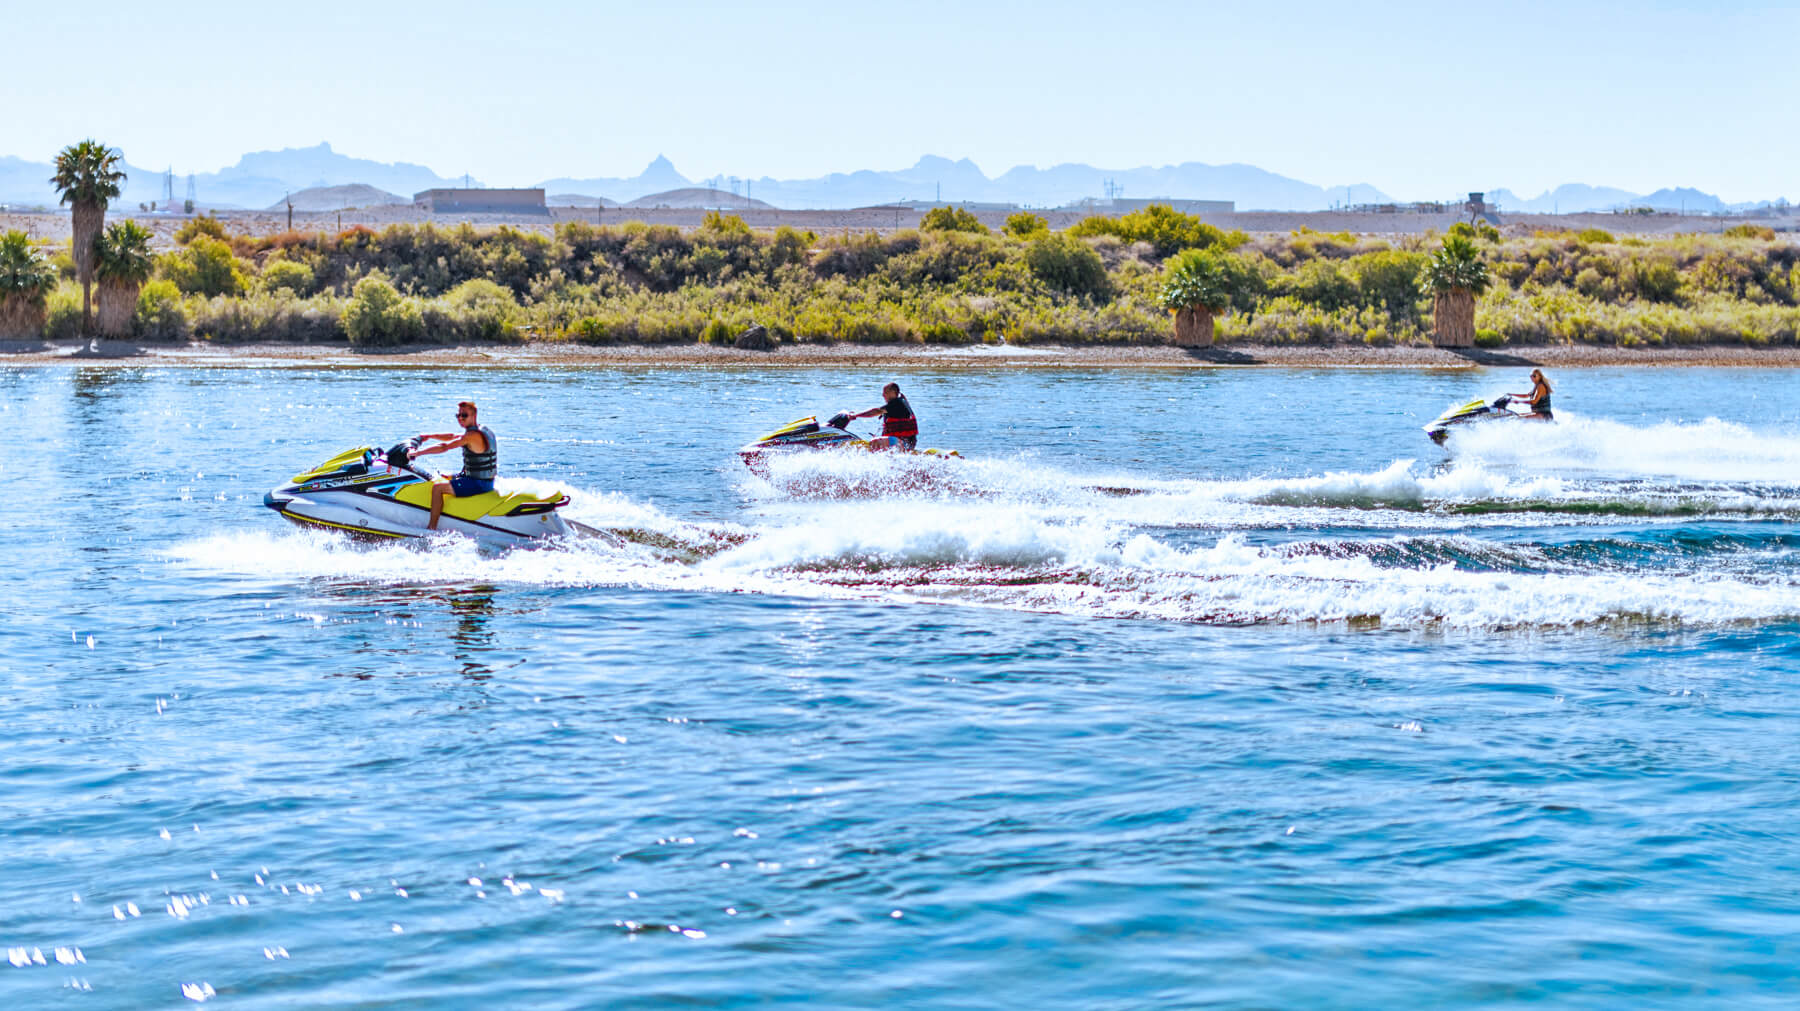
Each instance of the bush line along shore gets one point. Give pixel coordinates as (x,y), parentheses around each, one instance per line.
(1106,281)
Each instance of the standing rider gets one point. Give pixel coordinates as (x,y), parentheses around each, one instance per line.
(899,426)
(1539,397)
(481,460)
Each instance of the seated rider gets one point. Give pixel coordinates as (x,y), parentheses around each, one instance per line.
(1539,397)
(899,426)
(481,460)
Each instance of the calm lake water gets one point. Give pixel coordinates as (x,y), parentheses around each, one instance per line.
(1183,688)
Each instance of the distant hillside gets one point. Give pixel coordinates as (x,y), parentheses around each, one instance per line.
(578,200)
(696,197)
(1681,198)
(331,198)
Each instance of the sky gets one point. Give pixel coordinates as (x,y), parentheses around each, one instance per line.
(1421,100)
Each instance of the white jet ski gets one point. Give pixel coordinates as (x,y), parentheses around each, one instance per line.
(379,494)
(1479,411)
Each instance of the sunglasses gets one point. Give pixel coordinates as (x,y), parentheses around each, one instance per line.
(462,414)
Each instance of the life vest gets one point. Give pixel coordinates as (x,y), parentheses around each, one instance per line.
(905,425)
(484,465)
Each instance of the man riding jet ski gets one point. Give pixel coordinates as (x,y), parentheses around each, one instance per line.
(899,427)
(372,493)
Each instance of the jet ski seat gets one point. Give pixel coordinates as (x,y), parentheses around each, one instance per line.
(488,503)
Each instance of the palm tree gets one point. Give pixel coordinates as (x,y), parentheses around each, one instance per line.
(122,263)
(88,175)
(24,279)
(1200,284)
(1453,278)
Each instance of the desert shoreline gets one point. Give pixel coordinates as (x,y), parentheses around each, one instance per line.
(823,355)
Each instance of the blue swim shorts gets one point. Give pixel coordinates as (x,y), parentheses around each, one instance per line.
(463,487)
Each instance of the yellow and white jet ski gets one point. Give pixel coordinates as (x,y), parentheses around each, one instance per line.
(379,494)
(1480,411)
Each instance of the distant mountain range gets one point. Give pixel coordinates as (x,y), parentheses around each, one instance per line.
(265,178)
(935,179)
(257,180)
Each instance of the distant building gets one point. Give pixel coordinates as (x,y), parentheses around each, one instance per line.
(481,202)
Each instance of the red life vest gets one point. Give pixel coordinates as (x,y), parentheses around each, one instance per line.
(905,427)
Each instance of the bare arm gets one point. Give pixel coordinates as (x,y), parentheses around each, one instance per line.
(870,413)
(455,442)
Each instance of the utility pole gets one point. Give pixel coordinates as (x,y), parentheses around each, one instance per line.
(290,206)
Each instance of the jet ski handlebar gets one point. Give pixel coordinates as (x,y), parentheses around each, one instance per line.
(399,455)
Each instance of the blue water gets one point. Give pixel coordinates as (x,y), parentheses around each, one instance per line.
(1183,688)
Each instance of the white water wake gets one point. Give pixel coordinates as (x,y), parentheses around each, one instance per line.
(1014,533)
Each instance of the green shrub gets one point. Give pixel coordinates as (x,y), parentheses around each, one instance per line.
(945,258)
(287,275)
(477,310)
(719,225)
(205,225)
(62,312)
(590,330)
(267,317)
(1489,338)
(378,316)
(1596,236)
(1167,230)
(951,219)
(205,267)
(1750,232)
(718,332)
(789,247)
(1024,225)
(1462,229)
(1388,280)
(1322,283)
(1067,264)
(161,314)
(1651,280)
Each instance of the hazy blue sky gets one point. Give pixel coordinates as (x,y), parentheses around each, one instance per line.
(1420,99)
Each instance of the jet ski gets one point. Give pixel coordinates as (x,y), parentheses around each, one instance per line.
(381,495)
(1474,412)
(808,434)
